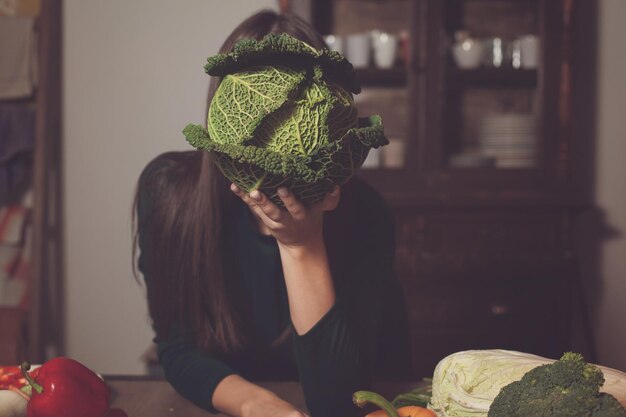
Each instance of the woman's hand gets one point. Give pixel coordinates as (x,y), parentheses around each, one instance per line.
(238,397)
(297,225)
(270,406)
(299,234)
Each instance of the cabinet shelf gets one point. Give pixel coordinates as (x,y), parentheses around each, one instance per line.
(492,77)
(375,77)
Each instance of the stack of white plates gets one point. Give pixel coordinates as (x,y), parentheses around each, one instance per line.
(510,139)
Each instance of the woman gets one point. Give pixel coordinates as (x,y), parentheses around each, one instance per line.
(240,290)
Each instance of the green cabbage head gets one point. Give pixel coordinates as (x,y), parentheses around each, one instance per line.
(284,115)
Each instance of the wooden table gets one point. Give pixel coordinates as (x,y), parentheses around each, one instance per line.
(154,397)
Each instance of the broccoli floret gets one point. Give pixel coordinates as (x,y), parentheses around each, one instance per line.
(568,387)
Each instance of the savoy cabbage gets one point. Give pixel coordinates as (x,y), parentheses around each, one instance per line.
(284,115)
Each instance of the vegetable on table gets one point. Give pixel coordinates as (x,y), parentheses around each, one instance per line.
(65,387)
(406,411)
(12,404)
(466,383)
(568,387)
(284,115)
(361,398)
(419,396)
(11,377)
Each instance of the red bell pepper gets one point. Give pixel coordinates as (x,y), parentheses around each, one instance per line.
(65,387)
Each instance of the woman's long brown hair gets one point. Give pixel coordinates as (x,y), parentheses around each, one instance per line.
(184,228)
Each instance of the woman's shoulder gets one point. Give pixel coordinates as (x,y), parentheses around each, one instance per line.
(362,213)
(361,198)
(360,228)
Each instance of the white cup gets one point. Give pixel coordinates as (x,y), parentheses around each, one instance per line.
(529,51)
(468,54)
(359,50)
(516,54)
(335,43)
(385,49)
(393,154)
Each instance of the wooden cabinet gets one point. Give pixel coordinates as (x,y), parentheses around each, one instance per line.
(493,176)
(485,278)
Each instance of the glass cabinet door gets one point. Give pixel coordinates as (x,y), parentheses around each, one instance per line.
(491,106)
(374,36)
(475,100)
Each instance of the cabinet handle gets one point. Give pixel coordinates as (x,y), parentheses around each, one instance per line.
(500,309)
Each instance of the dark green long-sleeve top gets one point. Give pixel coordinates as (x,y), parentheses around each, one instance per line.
(363,336)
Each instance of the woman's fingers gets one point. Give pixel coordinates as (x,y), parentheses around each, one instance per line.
(271,210)
(292,204)
(261,205)
(273,216)
(251,203)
